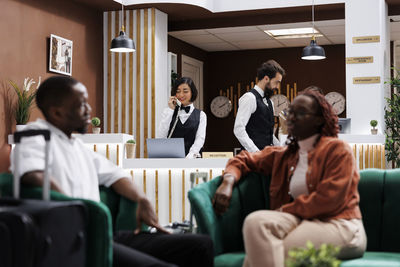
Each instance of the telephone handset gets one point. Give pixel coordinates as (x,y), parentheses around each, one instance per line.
(177,107)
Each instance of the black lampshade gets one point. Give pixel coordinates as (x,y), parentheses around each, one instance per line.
(122,44)
(313,51)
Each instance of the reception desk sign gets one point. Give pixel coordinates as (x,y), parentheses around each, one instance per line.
(364,80)
(214,155)
(359,60)
(366,39)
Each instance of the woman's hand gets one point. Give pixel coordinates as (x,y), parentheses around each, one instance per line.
(172,102)
(145,214)
(223,194)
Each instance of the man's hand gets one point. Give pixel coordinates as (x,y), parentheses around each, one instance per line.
(145,214)
(223,194)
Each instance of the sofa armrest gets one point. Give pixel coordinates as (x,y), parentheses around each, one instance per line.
(250,194)
(99,227)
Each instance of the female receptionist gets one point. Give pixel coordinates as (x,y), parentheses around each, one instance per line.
(182,119)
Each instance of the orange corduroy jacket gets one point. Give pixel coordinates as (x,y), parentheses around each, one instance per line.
(332,179)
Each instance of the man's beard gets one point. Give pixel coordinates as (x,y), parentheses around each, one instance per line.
(83,129)
(268,91)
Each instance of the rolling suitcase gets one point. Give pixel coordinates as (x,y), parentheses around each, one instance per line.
(41,233)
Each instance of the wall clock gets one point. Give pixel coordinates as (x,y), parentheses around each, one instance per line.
(337,102)
(221,106)
(281,102)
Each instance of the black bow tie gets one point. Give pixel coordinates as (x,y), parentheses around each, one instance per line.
(187,108)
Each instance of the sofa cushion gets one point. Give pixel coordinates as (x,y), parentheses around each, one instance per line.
(391,212)
(376,259)
(371,194)
(229,260)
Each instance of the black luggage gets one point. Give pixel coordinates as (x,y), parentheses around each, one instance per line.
(39,232)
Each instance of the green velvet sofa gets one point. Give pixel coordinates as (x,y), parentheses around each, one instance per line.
(111,214)
(379,203)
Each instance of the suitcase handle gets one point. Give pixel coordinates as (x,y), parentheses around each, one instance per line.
(46,180)
(18,135)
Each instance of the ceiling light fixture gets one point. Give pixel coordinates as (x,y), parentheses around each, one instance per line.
(122,43)
(293,33)
(313,51)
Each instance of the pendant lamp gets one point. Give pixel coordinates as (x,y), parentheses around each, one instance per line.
(122,43)
(313,51)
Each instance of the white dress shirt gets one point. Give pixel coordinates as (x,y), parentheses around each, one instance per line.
(247,106)
(74,167)
(166,117)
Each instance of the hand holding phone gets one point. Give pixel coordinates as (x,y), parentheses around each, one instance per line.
(178,103)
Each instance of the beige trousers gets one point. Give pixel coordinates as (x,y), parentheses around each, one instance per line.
(269,235)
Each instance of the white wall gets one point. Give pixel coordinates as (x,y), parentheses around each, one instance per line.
(216,6)
(365,102)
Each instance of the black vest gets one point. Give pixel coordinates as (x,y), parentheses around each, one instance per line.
(187,130)
(260,127)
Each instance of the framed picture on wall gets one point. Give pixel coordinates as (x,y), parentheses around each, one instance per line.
(60,58)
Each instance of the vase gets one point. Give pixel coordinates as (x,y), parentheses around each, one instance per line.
(130,150)
(96,130)
(374,131)
(20,127)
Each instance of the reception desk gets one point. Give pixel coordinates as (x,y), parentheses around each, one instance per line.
(167,181)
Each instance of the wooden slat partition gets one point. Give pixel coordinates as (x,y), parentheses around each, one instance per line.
(370,155)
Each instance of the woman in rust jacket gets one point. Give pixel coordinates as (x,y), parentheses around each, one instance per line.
(313,190)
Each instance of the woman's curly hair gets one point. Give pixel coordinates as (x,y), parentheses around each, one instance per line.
(329,127)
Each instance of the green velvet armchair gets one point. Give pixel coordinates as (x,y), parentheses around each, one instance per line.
(111,214)
(379,203)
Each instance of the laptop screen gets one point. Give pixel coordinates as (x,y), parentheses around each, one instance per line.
(165,148)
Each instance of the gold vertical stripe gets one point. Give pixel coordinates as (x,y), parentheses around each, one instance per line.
(378,155)
(145,77)
(157,193)
(116,80)
(383,157)
(94,148)
(222,172)
(132,176)
(355,151)
(138,52)
(153,73)
(235,105)
(367,157)
(107,151)
(117,155)
(109,74)
(144,181)
(371,155)
(183,196)
(130,115)
(361,157)
(211,174)
(169,197)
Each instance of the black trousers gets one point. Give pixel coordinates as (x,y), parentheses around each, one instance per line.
(146,249)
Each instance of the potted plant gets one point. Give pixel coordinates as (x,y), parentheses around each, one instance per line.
(310,256)
(25,100)
(95,125)
(392,122)
(373,123)
(130,147)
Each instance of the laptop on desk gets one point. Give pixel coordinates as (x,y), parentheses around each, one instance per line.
(165,148)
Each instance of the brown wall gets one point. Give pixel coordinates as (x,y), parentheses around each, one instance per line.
(228,68)
(225,69)
(180,48)
(25,28)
